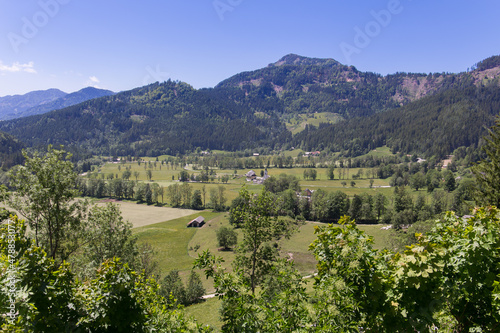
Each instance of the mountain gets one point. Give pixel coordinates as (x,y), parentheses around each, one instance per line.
(38,102)
(14,106)
(77,97)
(428,113)
(432,126)
(166,118)
(297,85)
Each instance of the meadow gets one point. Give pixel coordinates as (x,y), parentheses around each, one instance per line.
(177,246)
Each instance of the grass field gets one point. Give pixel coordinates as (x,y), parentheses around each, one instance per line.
(164,178)
(170,239)
(299,122)
(207,312)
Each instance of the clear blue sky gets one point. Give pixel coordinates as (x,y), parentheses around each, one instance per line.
(120,45)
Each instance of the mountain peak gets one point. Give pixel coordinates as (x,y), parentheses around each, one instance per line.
(488,63)
(295,59)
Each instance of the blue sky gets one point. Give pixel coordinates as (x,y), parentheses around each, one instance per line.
(120,45)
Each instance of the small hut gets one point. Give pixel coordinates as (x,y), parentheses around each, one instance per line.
(197,222)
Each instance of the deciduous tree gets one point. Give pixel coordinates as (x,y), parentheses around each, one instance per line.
(226,237)
(45,196)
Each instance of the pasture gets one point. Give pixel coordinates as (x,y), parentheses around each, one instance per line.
(177,246)
(299,122)
(170,240)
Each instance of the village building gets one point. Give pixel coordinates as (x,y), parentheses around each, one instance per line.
(251,175)
(307,192)
(197,222)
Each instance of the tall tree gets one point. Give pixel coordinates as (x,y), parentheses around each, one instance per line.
(260,228)
(196,201)
(194,289)
(174,194)
(45,196)
(226,237)
(108,236)
(380,205)
(417,181)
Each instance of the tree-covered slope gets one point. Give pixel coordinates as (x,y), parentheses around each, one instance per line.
(435,125)
(298,84)
(160,118)
(10,151)
(426,113)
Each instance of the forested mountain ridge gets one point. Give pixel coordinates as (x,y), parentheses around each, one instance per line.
(166,118)
(432,114)
(14,106)
(432,126)
(296,84)
(74,98)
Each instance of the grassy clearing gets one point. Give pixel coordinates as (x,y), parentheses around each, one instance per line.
(206,313)
(380,237)
(170,240)
(380,152)
(299,122)
(206,239)
(297,247)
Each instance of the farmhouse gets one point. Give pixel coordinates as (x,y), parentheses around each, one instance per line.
(197,222)
(312,153)
(306,194)
(251,175)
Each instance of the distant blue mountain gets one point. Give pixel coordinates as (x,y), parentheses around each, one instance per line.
(12,107)
(38,102)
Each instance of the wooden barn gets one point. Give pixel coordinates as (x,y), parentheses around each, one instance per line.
(197,222)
